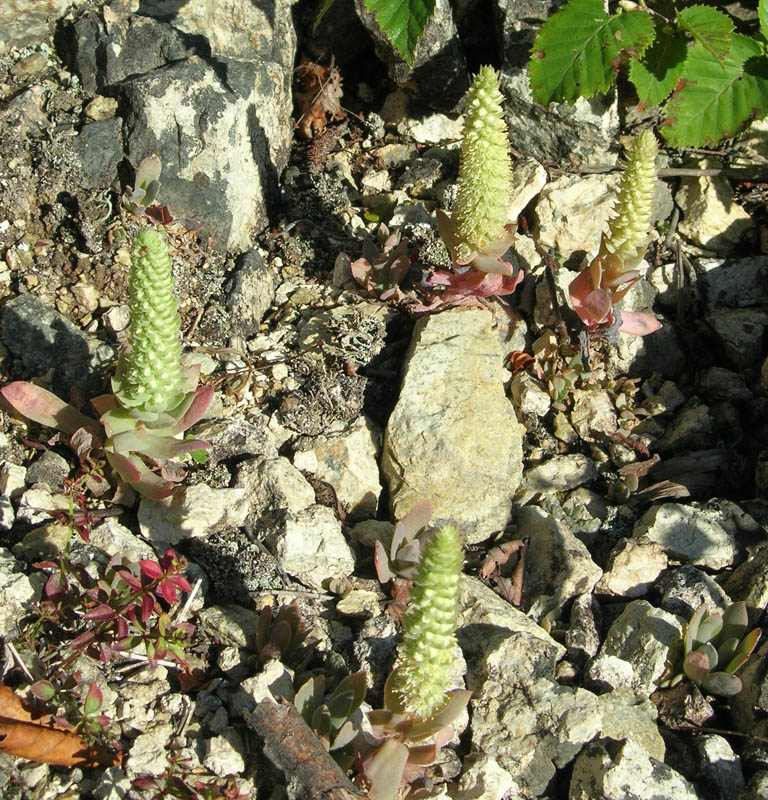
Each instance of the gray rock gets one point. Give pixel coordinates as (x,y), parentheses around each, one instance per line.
(230,625)
(111,537)
(233,437)
(712,218)
(735,282)
(483,779)
(690,429)
(685,588)
(374,648)
(310,545)
(557,566)
(593,415)
(749,582)
(50,469)
(12,479)
(24,22)
(274,682)
(250,293)
(193,512)
(348,461)
(100,151)
(718,383)
(439,70)
(113,785)
(148,749)
(17,592)
(557,474)
(610,673)
(583,637)
(273,484)
(608,769)
(646,637)
(720,774)
(443,431)
(740,331)
(528,395)
(696,536)
(238,126)
(633,567)
(223,754)
(45,340)
(757,788)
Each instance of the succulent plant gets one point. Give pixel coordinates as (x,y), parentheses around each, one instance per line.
(154,400)
(380,270)
(715,645)
(409,537)
(333,716)
(479,233)
(138,199)
(281,636)
(417,703)
(611,274)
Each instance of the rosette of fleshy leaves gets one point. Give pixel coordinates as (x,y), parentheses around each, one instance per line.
(715,645)
(155,398)
(614,270)
(409,538)
(418,705)
(380,270)
(479,232)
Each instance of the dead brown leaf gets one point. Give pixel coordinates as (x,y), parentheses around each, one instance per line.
(317,96)
(25,734)
(510,585)
(401,591)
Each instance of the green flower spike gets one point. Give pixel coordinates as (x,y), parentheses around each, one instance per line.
(426,656)
(485,173)
(629,229)
(150,379)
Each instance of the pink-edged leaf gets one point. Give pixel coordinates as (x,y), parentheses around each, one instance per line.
(139,476)
(93,700)
(43,407)
(446,227)
(492,265)
(43,690)
(638,323)
(101,613)
(147,607)
(598,304)
(384,770)
(55,585)
(167,591)
(202,400)
(127,576)
(191,377)
(82,641)
(360,269)
(181,582)
(151,569)
(381,562)
(122,628)
(158,447)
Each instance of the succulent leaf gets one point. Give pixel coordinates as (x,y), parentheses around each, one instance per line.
(722,683)
(710,627)
(696,666)
(735,620)
(426,655)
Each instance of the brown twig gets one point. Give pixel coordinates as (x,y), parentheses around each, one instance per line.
(293,748)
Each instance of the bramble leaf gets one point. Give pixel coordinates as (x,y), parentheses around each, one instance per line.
(576,53)
(715,102)
(762,11)
(403,22)
(657,72)
(710,28)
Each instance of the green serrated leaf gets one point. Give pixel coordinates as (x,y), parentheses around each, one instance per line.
(762,11)
(576,53)
(710,28)
(715,102)
(658,71)
(403,22)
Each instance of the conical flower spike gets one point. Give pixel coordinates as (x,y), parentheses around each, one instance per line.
(629,229)
(426,656)
(485,171)
(150,380)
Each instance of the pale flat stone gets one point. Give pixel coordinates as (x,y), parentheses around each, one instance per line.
(454,427)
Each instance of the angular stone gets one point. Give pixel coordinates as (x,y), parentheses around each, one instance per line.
(444,432)
(24,22)
(558,474)
(685,588)
(633,567)
(310,545)
(348,461)
(46,340)
(250,293)
(694,536)
(734,282)
(193,512)
(557,566)
(616,770)
(273,484)
(720,768)
(740,330)
(17,592)
(233,437)
(646,637)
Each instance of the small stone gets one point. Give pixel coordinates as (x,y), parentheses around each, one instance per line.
(685,588)
(46,542)
(193,512)
(528,179)
(223,754)
(633,567)
(86,295)
(691,429)
(50,468)
(593,415)
(12,479)
(529,396)
(101,108)
(558,474)
(274,682)
(740,330)
(749,582)
(359,603)
(370,531)
(483,779)
(609,673)
(17,592)
(148,750)
(718,383)
(719,769)
(431,129)
(273,484)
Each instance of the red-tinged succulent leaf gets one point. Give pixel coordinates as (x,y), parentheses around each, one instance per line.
(147,607)
(443,718)
(167,591)
(93,700)
(384,769)
(200,403)
(696,666)
(158,447)
(43,407)
(691,638)
(151,569)
(710,627)
(104,403)
(139,476)
(129,578)
(638,323)
(122,628)
(101,613)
